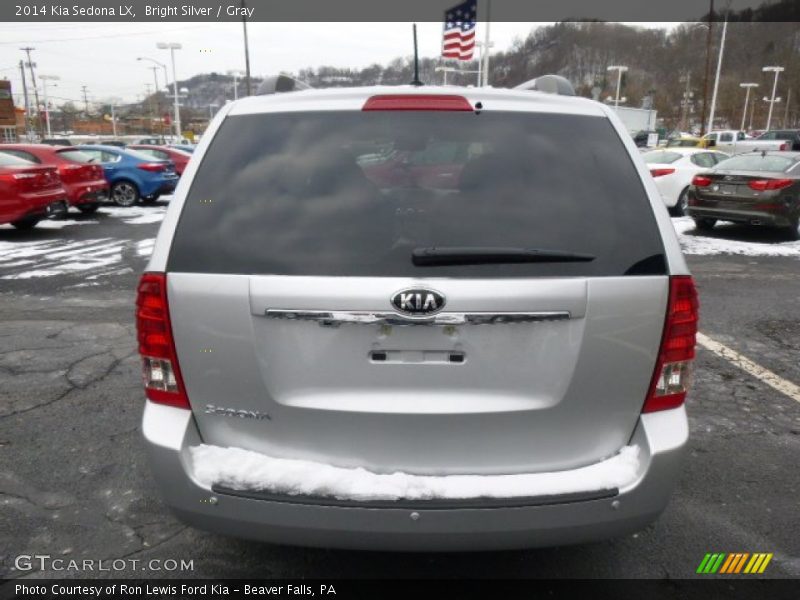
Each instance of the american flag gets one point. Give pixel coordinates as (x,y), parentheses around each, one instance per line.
(459,31)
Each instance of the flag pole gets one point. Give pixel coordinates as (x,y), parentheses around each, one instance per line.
(485,50)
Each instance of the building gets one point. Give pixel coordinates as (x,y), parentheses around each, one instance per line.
(8,116)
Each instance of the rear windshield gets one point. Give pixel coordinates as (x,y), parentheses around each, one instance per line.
(355,193)
(757,162)
(75,156)
(662,158)
(9,160)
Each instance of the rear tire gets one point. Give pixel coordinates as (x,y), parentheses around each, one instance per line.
(88,208)
(794,230)
(679,210)
(26,223)
(124,193)
(704,224)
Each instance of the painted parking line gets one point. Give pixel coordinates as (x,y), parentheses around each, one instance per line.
(745,364)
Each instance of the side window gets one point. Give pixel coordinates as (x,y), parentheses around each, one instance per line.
(770,135)
(109,157)
(739,136)
(160,154)
(726,137)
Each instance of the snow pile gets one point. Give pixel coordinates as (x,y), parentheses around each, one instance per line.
(702,243)
(136,215)
(240,469)
(48,258)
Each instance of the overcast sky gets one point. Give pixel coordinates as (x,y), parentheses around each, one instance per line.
(102,56)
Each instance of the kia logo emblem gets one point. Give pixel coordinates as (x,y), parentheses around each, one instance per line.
(418,302)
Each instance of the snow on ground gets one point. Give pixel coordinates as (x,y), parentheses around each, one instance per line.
(48,258)
(136,215)
(727,238)
(240,469)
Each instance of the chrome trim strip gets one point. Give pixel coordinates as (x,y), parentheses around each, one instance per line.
(334,318)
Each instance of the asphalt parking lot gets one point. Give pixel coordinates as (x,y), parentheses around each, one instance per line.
(74,482)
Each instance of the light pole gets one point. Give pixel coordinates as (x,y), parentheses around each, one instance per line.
(620,69)
(155,80)
(45,79)
(235,74)
(777,71)
(172,46)
(211,108)
(716,77)
(748,87)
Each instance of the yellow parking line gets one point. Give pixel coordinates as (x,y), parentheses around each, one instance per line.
(771,379)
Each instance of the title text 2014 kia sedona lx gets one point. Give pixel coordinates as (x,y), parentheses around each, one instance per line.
(416,318)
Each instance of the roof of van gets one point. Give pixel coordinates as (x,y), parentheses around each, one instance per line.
(354,99)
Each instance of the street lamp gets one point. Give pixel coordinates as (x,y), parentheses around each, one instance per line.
(45,79)
(234,73)
(172,46)
(620,69)
(748,87)
(777,71)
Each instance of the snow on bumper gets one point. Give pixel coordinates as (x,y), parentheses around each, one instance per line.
(170,435)
(238,469)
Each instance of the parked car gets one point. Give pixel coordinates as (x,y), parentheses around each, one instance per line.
(640,138)
(756,188)
(684,141)
(771,141)
(497,364)
(132,175)
(673,170)
(723,140)
(178,157)
(29,192)
(84,182)
(117,143)
(185,147)
(57,141)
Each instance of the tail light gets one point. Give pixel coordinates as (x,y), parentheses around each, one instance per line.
(160,370)
(701,181)
(784,147)
(152,167)
(661,172)
(673,372)
(761,185)
(417,102)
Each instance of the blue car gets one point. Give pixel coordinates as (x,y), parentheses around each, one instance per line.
(133,175)
(185,147)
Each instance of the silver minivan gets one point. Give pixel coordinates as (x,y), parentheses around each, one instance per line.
(416,318)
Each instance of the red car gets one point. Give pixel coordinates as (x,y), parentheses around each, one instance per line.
(84,182)
(179,157)
(29,192)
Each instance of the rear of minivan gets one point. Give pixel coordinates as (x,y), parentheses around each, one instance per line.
(387,318)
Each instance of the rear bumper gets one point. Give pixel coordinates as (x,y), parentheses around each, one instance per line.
(778,217)
(88,193)
(170,432)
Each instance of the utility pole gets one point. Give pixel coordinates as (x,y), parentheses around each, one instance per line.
(708,69)
(27,103)
(44,79)
(31,65)
(113,121)
(150,103)
(85,100)
(786,112)
(172,46)
(246,50)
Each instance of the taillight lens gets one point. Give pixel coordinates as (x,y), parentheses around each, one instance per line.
(661,172)
(784,147)
(152,167)
(701,181)
(761,185)
(673,372)
(160,370)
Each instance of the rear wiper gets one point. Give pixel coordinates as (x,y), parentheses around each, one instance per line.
(468,255)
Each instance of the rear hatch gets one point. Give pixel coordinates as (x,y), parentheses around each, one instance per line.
(532,267)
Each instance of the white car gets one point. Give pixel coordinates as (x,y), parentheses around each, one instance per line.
(673,170)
